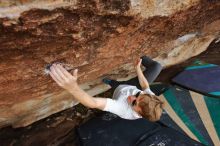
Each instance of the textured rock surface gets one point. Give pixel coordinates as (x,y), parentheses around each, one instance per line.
(59,129)
(100,37)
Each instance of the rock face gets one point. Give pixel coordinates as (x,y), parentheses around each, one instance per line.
(99,37)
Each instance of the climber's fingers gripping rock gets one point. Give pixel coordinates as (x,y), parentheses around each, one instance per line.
(62,77)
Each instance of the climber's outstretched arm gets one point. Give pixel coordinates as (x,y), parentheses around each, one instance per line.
(142,80)
(69,82)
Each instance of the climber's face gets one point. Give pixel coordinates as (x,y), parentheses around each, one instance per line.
(134,100)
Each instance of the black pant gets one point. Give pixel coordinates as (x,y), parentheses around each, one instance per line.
(111,130)
(151,72)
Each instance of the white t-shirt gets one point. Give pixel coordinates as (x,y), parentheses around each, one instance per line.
(119,105)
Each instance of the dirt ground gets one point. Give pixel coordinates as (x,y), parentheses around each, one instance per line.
(59,129)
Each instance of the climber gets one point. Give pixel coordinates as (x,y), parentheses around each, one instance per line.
(132,99)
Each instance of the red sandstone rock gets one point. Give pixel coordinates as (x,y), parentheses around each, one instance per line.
(98,38)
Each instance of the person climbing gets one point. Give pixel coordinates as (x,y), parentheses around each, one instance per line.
(132,99)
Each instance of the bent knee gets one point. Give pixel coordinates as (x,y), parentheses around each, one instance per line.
(157,65)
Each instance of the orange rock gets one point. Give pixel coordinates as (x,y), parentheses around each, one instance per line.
(100,39)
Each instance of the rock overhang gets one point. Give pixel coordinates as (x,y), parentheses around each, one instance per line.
(100,38)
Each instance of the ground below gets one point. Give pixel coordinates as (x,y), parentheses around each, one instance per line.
(59,128)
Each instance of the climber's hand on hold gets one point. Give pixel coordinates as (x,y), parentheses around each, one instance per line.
(69,82)
(62,77)
(138,63)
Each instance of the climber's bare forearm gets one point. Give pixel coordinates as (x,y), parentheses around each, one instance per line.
(86,99)
(69,82)
(142,80)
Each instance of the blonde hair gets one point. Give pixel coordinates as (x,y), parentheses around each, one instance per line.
(151,107)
